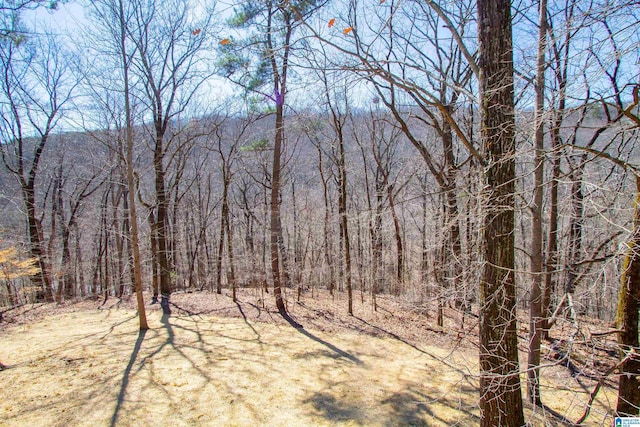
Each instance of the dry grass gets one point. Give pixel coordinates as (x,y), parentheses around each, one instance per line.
(214,362)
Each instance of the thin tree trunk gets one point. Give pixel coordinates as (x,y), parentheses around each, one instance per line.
(162,225)
(377,239)
(552,241)
(155,275)
(221,242)
(275,209)
(227,227)
(131,179)
(121,235)
(536,315)
(398,237)
(298,258)
(424,264)
(82,291)
(328,236)
(452,222)
(344,224)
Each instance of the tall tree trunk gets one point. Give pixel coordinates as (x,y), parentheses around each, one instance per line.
(221,241)
(536,315)
(344,222)
(275,209)
(447,181)
(552,241)
(328,236)
(82,291)
(284,257)
(225,228)
(376,240)
(375,226)
(500,390)
(191,243)
(398,237)
(575,227)
(162,229)
(424,264)
(232,268)
(627,321)
(121,234)
(155,275)
(101,245)
(43,279)
(142,316)
(298,259)
(126,226)
(560,59)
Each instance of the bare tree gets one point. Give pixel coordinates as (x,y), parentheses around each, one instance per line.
(36,85)
(338,109)
(233,131)
(113,19)
(169,43)
(274,24)
(69,204)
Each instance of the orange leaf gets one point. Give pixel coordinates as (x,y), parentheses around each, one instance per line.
(347,30)
(332,21)
(382,1)
(196,32)
(225,41)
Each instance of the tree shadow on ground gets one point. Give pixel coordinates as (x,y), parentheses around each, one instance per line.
(556,416)
(126,375)
(333,409)
(412,408)
(199,370)
(246,321)
(341,353)
(408,407)
(548,414)
(466,375)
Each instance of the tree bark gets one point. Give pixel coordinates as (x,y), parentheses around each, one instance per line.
(536,314)
(398,238)
(155,275)
(627,321)
(500,390)
(328,236)
(344,223)
(275,210)
(561,66)
(221,240)
(43,279)
(227,230)
(447,181)
(162,201)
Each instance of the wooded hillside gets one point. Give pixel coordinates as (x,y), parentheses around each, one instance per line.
(404,148)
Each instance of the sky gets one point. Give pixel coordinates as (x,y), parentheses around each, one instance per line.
(68,16)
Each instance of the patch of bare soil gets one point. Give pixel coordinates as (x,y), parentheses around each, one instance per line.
(216,362)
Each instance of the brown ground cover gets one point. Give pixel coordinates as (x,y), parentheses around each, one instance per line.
(219,363)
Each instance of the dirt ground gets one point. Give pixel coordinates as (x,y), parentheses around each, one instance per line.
(217,363)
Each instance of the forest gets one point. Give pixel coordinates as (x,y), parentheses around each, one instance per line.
(475,160)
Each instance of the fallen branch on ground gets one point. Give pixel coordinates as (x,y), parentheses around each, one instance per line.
(595,391)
